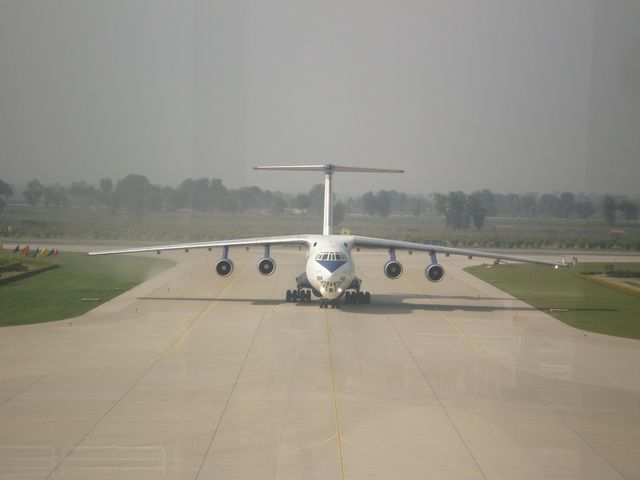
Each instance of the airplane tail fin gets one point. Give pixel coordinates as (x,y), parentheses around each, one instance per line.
(328,169)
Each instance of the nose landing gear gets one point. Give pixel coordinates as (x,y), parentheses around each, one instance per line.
(329,303)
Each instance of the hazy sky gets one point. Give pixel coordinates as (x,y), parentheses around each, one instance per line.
(511,95)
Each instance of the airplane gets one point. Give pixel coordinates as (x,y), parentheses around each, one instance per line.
(330,272)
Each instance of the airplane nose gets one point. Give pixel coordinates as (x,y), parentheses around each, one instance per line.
(334,286)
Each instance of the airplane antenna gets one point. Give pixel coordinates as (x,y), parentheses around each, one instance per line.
(328,169)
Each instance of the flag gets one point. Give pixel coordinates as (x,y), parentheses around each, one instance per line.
(17,249)
(44,252)
(25,251)
(35,254)
(57,252)
(51,252)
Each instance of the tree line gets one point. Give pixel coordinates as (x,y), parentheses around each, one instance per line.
(136,194)
(461,211)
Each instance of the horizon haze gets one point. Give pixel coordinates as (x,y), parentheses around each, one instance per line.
(514,96)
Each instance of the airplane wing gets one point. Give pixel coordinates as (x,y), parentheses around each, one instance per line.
(299,240)
(367,242)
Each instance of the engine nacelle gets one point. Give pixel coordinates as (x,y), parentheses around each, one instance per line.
(224,267)
(266,266)
(393,269)
(434,272)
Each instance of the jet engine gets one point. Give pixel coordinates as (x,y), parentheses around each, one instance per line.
(224,267)
(434,272)
(393,269)
(266,266)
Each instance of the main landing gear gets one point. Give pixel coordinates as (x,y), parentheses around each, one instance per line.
(350,298)
(298,296)
(361,298)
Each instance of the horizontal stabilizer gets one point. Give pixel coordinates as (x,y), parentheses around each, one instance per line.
(328,168)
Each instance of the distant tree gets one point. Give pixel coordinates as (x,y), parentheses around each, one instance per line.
(440,203)
(417,205)
(628,209)
(78,189)
(83,194)
(5,191)
(398,201)
(251,197)
(218,193)
(339,212)
(488,201)
(378,203)
(55,195)
(34,192)
(549,205)
(584,209)
(106,189)
(528,205)
(457,213)
(316,197)
(609,209)
(460,210)
(369,203)
(476,209)
(513,204)
(130,193)
(278,205)
(230,204)
(383,203)
(153,198)
(567,204)
(195,194)
(502,204)
(354,204)
(300,201)
(199,195)
(169,199)
(106,186)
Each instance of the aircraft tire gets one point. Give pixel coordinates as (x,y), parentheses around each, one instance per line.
(367,298)
(288,297)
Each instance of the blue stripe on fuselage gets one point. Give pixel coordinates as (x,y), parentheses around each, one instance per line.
(331,265)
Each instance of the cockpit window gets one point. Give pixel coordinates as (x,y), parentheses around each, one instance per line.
(331,256)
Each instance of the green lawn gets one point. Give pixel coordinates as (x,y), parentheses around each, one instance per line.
(591,307)
(58,294)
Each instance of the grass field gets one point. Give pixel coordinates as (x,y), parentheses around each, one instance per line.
(592,307)
(58,294)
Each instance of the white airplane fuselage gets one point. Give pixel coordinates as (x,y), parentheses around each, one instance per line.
(330,268)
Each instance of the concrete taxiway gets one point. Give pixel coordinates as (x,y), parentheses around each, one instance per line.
(193,376)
